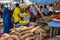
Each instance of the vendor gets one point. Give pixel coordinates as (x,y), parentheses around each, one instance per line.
(16,12)
(16,17)
(45,10)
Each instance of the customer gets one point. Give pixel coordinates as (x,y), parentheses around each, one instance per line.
(50,8)
(7,20)
(33,13)
(34,16)
(45,10)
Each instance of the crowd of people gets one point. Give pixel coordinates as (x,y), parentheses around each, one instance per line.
(9,15)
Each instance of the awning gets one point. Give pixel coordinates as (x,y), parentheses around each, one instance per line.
(43,2)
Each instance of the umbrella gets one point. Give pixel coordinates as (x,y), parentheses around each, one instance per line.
(44,2)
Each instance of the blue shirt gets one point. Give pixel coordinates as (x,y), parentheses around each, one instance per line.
(46,11)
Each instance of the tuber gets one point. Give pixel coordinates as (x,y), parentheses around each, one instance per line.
(14,37)
(26,35)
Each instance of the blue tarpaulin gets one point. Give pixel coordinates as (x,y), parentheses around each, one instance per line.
(54,24)
(43,2)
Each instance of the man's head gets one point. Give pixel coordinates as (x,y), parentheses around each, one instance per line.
(17,5)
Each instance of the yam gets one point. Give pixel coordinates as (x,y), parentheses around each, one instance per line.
(44,34)
(30,38)
(14,33)
(26,35)
(12,29)
(25,32)
(15,37)
(26,28)
(36,32)
(2,38)
(10,38)
(41,30)
(35,29)
(37,37)
(23,27)
(5,36)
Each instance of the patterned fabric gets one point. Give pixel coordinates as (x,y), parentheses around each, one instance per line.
(7,21)
(15,14)
(54,24)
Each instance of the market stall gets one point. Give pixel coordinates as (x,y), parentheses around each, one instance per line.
(29,21)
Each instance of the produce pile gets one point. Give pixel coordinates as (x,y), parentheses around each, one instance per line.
(24,33)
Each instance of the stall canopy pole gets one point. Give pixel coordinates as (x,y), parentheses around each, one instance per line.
(40,13)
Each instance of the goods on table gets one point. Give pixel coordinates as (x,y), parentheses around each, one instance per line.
(24,6)
(24,33)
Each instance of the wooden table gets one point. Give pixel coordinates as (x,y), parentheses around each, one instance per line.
(54,27)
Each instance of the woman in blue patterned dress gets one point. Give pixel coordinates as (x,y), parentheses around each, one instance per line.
(7,21)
